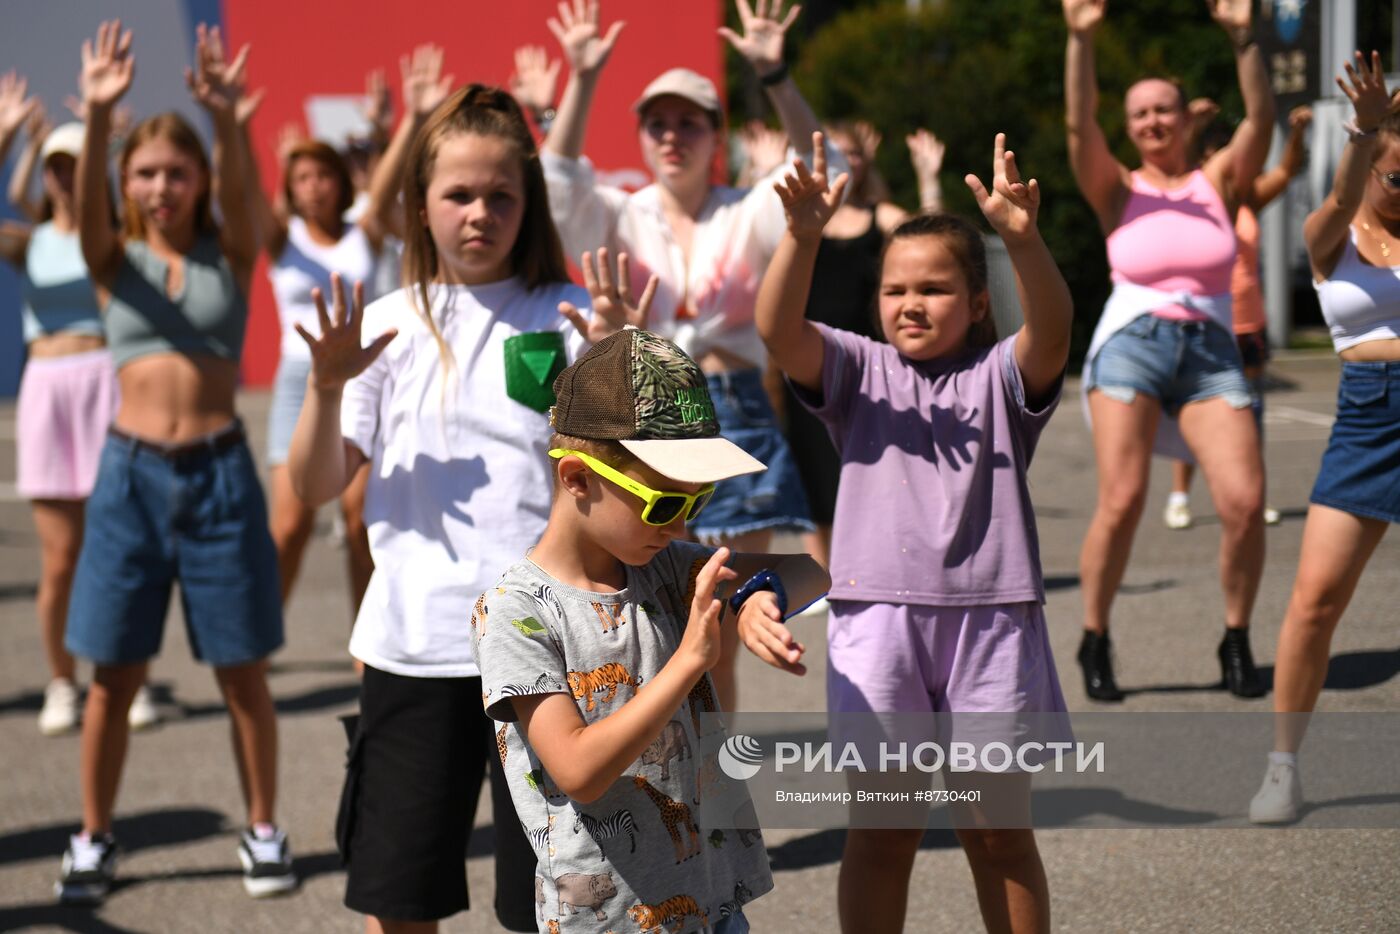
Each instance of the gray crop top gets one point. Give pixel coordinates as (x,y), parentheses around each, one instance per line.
(208,316)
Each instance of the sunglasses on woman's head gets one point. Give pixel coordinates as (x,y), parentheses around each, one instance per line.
(662,507)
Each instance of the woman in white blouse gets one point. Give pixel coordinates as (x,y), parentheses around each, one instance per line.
(708,244)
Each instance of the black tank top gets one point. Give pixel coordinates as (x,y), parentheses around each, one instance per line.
(845,281)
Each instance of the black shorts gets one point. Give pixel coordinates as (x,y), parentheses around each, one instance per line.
(412,781)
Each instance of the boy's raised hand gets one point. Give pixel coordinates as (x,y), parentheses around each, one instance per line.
(613,307)
(762,629)
(337,357)
(807,199)
(1011,206)
(701,639)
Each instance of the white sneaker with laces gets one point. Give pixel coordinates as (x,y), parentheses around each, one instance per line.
(89,868)
(1279,798)
(60,710)
(267,862)
(143,712)
(1177,515)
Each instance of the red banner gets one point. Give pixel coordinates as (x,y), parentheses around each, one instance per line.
(318,48)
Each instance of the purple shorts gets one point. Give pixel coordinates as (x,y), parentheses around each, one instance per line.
(986,670)
(65,406)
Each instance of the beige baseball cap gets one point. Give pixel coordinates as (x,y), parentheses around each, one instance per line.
(66,138)
(683,83)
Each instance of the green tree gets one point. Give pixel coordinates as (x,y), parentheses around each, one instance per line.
(967,69)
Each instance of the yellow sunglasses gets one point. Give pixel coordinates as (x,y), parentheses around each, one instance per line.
(661,507)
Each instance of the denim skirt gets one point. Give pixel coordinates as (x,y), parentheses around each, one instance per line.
(773,499)
(1360,471)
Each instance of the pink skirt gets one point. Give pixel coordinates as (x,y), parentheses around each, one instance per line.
(65,406)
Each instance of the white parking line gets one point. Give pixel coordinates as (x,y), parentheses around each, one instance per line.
(1287,413)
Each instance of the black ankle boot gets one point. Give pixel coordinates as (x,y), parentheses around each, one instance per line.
(1098,668)
(1237,672)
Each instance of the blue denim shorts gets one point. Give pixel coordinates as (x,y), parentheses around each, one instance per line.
(288,393)
(1174,362)
(773,499)
(1360,471)
(198,520)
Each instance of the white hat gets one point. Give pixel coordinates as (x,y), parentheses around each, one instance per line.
(66,138)
(683,83)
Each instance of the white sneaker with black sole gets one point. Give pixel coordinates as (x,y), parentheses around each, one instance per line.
(267,862)
(89,868)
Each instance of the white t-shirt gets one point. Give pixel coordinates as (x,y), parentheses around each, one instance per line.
(460,483)
(305,265)
(703,305)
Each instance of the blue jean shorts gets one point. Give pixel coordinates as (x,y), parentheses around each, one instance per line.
(772,499)
(1360,471)
(288,393)
(197,519)
(1174,362)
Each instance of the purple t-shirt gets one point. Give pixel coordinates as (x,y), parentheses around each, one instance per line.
(933,507)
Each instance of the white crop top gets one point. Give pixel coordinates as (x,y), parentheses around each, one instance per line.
(305,265)
(1360,302)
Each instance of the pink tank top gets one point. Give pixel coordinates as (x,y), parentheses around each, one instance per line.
(1180,240)
(1246,297)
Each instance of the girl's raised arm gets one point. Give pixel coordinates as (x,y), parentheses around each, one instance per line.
(424,87)
(587,48)
(37,129)
(1244,157)
(1326,229)
(761,44)
(217,85)
(1102,179)
(1272,183)
(1042,349)
(320,462)
(781,309)
(108,69)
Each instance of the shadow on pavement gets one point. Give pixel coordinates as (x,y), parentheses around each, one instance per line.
(1350,671)
(322,698)
(825,847)
(135,831)
(56,917)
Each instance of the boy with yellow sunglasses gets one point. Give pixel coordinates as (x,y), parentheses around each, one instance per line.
(595,651)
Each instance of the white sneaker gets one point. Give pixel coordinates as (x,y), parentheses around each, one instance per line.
(1177,515)
(267,863)
(89,868)
(143,712)
(1279,797)
(60,711)
(1271,516)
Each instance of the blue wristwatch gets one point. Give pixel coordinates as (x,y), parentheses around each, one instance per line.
(763,580)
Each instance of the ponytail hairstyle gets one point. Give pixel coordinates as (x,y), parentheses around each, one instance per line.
(538,254)
(964,243)
(173,128)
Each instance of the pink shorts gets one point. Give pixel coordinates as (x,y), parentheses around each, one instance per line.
(990,663)
(65,406)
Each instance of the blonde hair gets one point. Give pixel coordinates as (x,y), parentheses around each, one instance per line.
(537,256)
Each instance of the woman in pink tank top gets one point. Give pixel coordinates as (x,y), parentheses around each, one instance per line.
(1163,346)
(1246,294)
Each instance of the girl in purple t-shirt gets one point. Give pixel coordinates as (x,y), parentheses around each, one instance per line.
(937,591)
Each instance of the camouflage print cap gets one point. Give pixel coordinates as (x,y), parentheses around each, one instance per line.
(638,388)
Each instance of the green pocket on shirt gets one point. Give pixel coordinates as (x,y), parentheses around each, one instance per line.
(533,360)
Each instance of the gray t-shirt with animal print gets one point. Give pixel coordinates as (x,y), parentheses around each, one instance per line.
(638,857)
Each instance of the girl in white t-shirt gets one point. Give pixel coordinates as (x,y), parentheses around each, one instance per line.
(449,407)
